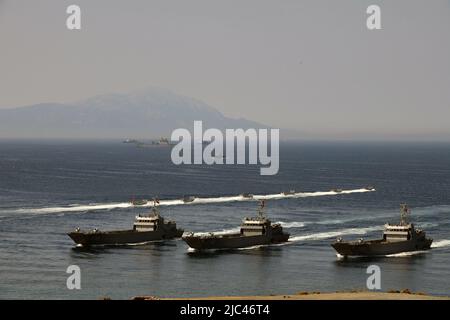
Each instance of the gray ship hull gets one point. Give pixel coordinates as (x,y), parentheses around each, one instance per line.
(122,237)
(233,241)
(380,247)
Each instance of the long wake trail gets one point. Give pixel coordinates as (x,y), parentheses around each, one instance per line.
(180,202)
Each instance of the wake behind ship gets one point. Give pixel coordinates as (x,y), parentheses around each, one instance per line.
(253,231)
(398,238)
(146,228)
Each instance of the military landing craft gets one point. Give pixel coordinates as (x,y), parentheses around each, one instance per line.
(397,238)
(146,228)
(253,231)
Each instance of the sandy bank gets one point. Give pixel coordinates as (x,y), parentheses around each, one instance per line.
(362,295)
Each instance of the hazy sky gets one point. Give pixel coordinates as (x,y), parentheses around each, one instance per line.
(308,65)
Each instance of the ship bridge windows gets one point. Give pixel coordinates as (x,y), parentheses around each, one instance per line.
(396,235)
(250,230)
(143,225)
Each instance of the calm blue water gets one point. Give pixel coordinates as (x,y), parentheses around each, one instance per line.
(49,188)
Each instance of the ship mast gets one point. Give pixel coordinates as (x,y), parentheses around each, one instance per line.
(262,204)
(404,212)
(155,210)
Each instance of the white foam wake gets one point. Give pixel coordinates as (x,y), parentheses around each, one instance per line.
(440,244)
(333,234)
(394,255)
(254,247)
(89,207)
(294,224)
(178,202)
(317,236)
(405,254)
(219,232)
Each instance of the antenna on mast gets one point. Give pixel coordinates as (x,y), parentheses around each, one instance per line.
(262,204)
(155,203)
(404,212)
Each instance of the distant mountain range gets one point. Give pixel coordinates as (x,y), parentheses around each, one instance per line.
(149,113)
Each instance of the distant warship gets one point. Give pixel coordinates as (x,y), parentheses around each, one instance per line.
(146,228)
(253,231)
(140,144)
(397,238)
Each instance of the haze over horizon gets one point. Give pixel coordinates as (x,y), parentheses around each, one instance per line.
(311,66)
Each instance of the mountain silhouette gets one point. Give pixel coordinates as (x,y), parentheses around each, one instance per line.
(148,113)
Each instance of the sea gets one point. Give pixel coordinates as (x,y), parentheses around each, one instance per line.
(49,188)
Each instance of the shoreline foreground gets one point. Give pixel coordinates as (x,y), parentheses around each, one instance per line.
(343,295)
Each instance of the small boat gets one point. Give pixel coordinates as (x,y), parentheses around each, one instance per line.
(253,231)
(370,188)
(146,228)
(336,190)
(139,202)
(187,199)
(130,141)
(290,192)
(397,238)
(246,195)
